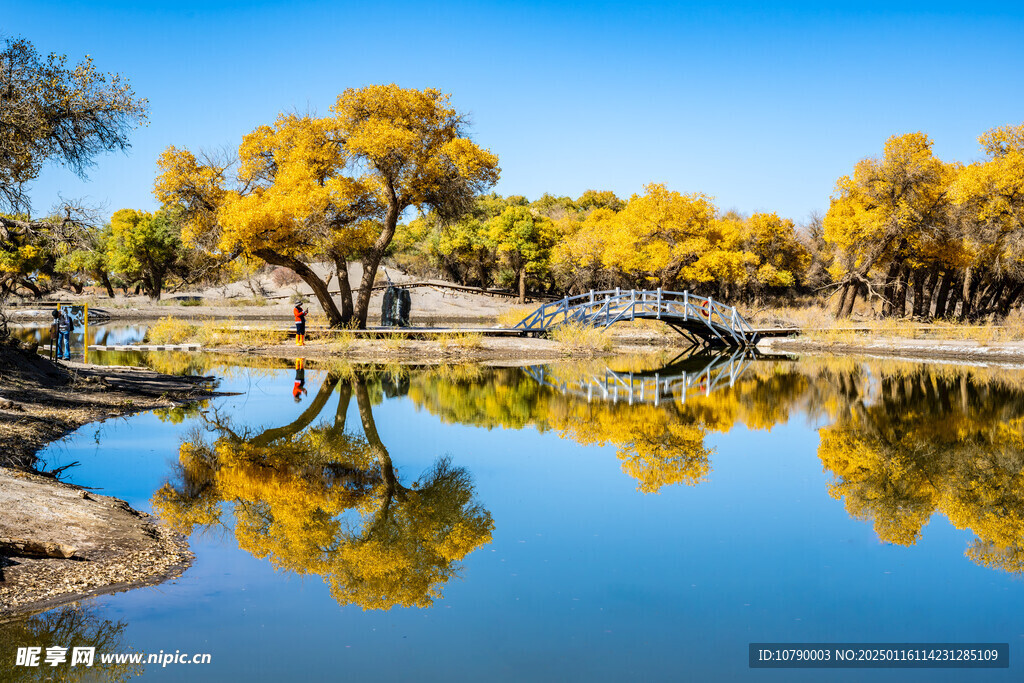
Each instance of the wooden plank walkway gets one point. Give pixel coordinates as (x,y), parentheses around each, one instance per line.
(145,347)
(386,331)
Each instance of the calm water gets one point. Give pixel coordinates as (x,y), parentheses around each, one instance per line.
(567,522)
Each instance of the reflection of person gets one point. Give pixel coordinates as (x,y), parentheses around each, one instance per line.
(64,327)
(300,324)
(300,379)
(54,333)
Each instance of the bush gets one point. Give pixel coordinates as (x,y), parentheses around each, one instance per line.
(514,315)
(581,339)
(464,341)
(171,330)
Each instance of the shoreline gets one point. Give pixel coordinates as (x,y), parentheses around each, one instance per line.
(1009,353)
(60,542)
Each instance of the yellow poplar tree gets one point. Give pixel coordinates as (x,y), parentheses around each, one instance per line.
(332,187)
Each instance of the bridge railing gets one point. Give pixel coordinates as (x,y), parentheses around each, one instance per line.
(603,308)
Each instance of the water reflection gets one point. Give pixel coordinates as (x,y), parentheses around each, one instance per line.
(915,442)
(903,440)
(689,372)
(326,500)
(70,626)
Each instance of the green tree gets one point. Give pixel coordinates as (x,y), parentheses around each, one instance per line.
(144,247)
(524,240)
(86,255)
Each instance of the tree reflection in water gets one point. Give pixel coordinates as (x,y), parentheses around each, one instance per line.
(70,626)
(902,441)
(325,500)
(905,440)
(926,440)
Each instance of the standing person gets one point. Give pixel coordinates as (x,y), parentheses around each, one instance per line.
(54,334)
(300,324)
(64,335)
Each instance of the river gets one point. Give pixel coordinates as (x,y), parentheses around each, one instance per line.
(631,519)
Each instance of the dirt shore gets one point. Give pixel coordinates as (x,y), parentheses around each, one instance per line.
(480,349)
(59,542)
(1005,352)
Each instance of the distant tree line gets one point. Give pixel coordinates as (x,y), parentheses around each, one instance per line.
(928,238)
(913,235)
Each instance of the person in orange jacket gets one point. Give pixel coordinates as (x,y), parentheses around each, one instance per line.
(300,324)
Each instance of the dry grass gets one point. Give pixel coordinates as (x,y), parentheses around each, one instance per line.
(581,339)
(394,342)
(341,342)
(460,341)
(171,330)
(514,315)
(251,301)
(820,324)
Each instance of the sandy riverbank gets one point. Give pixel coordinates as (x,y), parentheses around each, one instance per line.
(59,542)
(1004,352)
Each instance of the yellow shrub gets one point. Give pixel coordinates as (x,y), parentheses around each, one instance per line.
(581,339)
(515,314)
(171,330)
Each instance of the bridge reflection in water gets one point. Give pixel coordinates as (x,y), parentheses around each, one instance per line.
(693,372)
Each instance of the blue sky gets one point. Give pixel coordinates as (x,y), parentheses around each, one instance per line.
(762,107)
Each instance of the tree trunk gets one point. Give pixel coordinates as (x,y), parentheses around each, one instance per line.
(990,297)
(319,287)
(899,306)
(919,276)
(1012,294)
(844,291)
(31,286)
(522,285)
(967,294)
(345,289)
(930,286)
(890,289)
(954,297)
(105,279)
(942,294)
(849,299)
(373,258)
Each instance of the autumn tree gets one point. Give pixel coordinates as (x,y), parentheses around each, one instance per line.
(50,113)
(990,196)
(84,252)
(462,250)
(524,241)
(332,187)
(781,259)
(881,214)
(144,247)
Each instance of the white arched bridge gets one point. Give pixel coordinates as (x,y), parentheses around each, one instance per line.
(700,319)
